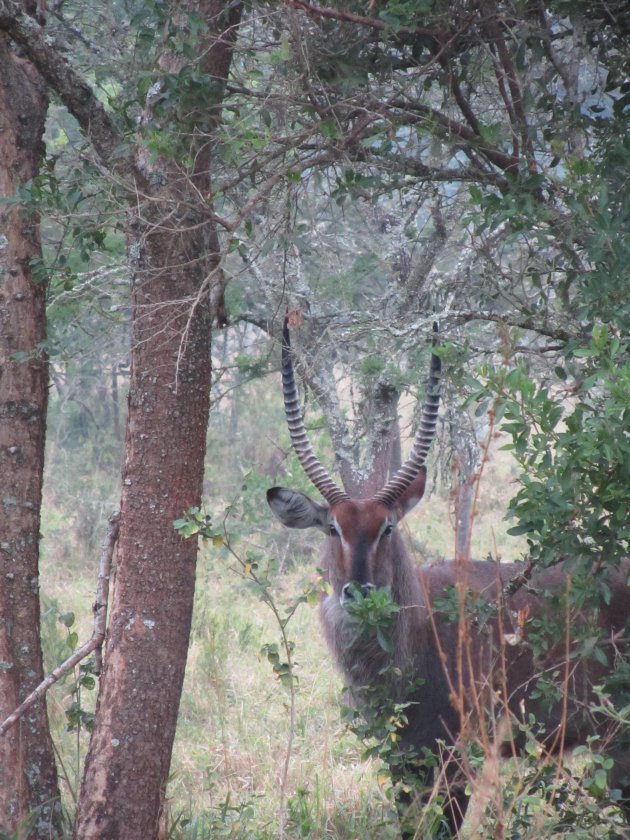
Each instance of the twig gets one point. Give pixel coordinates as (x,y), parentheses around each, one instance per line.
(98,634)
(267,598)
(102,589)
(360,20)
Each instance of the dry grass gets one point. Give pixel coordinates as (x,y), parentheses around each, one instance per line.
(234,720)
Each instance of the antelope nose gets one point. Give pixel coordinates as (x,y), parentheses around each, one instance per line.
(349,591)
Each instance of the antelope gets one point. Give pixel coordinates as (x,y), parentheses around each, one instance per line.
(364,552)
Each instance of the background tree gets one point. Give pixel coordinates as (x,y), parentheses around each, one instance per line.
(409,121)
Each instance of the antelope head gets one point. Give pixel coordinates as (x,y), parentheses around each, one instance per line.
(363,543)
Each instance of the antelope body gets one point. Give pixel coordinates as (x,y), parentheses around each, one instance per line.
(451,680)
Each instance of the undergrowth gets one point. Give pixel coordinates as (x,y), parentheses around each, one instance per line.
(230,774)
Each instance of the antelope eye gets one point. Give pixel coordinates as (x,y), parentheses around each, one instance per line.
(388,529)
(332,529)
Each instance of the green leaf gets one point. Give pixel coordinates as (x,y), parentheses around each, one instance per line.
(67,619)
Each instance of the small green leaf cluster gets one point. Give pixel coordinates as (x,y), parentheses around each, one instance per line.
(197,522)
(352,184)
(78,717)
(159,26)
(572,444)
(379,712)
(517,204)
(465,605)
(283,669)
(399,14)
(372,614)
(377,719)
(555,800)
(66,198)
(257,572)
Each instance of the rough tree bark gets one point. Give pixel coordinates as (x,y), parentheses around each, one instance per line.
(130,750)
(177,291)
(28,775)
(175,263)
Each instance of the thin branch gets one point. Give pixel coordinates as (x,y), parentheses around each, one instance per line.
(523,577)
(455,128)
(98,633)
(506,71)
(102,587)
(73,91)
(464,316)
(360,20)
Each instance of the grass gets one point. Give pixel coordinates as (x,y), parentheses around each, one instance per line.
(233,729)
(233,732)
(234,720)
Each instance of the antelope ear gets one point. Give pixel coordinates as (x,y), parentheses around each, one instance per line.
(295,510)
(412,494)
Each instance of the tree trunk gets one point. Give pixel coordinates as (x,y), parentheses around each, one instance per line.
(174,251)
(380,415)
(468,462)
(28,774)
(129,756)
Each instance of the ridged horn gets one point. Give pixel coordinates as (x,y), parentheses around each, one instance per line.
(403,477)
(303,449)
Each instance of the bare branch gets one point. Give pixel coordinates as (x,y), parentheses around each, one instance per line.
(461,316)
(360,20)
(98,634)
(73,91)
